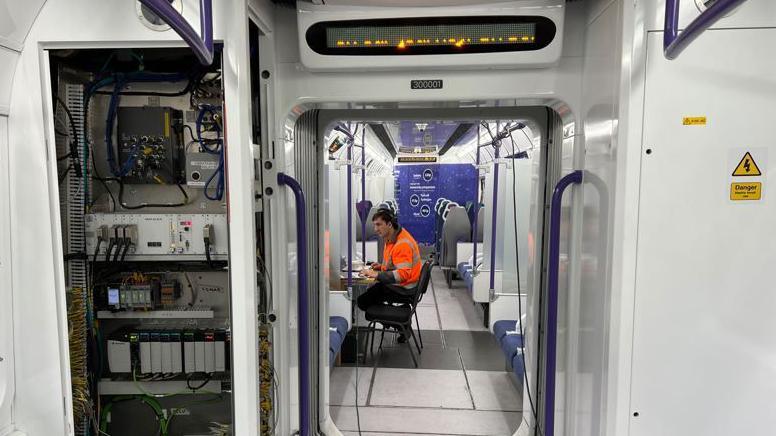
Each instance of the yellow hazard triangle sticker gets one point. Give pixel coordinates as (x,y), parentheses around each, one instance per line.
(747,167)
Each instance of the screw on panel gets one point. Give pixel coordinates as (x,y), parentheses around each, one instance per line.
(272,317)
(265,74)
(267,165)
(636,414)
(649,151)
(268,191)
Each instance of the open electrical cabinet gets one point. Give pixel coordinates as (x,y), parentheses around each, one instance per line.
(142,186)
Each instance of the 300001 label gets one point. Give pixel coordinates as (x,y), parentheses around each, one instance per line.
(426,84)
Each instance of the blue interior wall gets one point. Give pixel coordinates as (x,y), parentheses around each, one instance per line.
(419,186)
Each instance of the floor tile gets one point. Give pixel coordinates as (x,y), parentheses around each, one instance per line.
(428,318)
(389,420)
(433,356)
(420,388)
(494,390)
(479,350)
(342,385)
(457,311)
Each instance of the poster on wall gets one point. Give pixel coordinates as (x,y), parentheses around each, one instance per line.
(419,186)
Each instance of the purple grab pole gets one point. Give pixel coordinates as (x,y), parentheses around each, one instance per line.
(363,193)
(552,300)
(302,305)
(673,42)
(350,217)
(493,214)
(476,205)
(202,45)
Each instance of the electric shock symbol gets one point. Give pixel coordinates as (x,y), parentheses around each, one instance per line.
(747,167)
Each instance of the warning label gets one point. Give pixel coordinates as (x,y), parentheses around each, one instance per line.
(694,121)
(747,167)
(746,191)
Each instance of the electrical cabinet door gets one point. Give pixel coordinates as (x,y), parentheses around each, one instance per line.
(704,349)
(6,307)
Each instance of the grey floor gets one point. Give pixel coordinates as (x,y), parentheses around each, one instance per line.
(460,387)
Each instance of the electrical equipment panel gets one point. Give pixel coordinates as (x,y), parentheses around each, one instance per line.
(147,351)
(150,144)
(201,167)
(143,292)
(141,237)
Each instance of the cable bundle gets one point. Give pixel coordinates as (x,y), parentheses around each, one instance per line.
(76,317)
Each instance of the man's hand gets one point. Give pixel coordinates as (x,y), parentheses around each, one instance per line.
(370,273)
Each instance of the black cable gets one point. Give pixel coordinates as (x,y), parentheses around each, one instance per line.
(64,175)
(207,379)
(126,249)
(111,244)
(144,205)
(119,245)
(519,292)
(207,253)
(107,189)
(97,248)
(74,139)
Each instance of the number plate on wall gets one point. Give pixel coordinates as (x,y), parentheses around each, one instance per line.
(426,84)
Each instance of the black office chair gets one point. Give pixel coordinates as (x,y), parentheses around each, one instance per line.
(399,317)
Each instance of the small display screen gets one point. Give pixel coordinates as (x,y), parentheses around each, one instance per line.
(432,35)
(113,296)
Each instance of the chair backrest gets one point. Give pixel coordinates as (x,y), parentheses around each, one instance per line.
(425,278)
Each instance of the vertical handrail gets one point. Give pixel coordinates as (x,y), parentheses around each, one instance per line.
(202,45)
(674,42)
(475,221)
(302,304)
(349,210)
(493,223)
(552,299)
(363,193)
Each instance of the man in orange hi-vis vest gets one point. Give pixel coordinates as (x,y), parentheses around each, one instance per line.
(398,275)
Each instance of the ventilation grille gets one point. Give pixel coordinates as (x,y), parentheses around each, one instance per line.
(74,186)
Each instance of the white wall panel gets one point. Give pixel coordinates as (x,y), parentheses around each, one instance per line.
(8,60)
(6,299)
(704,346)
(16,18)
(588,310)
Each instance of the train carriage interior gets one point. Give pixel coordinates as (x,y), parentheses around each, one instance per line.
(386,218)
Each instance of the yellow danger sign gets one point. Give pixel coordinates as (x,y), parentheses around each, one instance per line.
(747,167)
(746,191)
(694,121)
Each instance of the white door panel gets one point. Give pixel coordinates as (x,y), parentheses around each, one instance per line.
(6,315)
(704,346)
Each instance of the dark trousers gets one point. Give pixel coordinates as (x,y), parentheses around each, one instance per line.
(381,293)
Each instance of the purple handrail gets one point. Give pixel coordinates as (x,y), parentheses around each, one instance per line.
(494,212)
(552,300)
(202,45)
(673,42)
(302,305)
(363,194)
(350,217)
(476,206)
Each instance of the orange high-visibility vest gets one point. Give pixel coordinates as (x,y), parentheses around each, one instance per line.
(402,257)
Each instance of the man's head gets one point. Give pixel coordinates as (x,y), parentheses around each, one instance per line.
(384,223)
